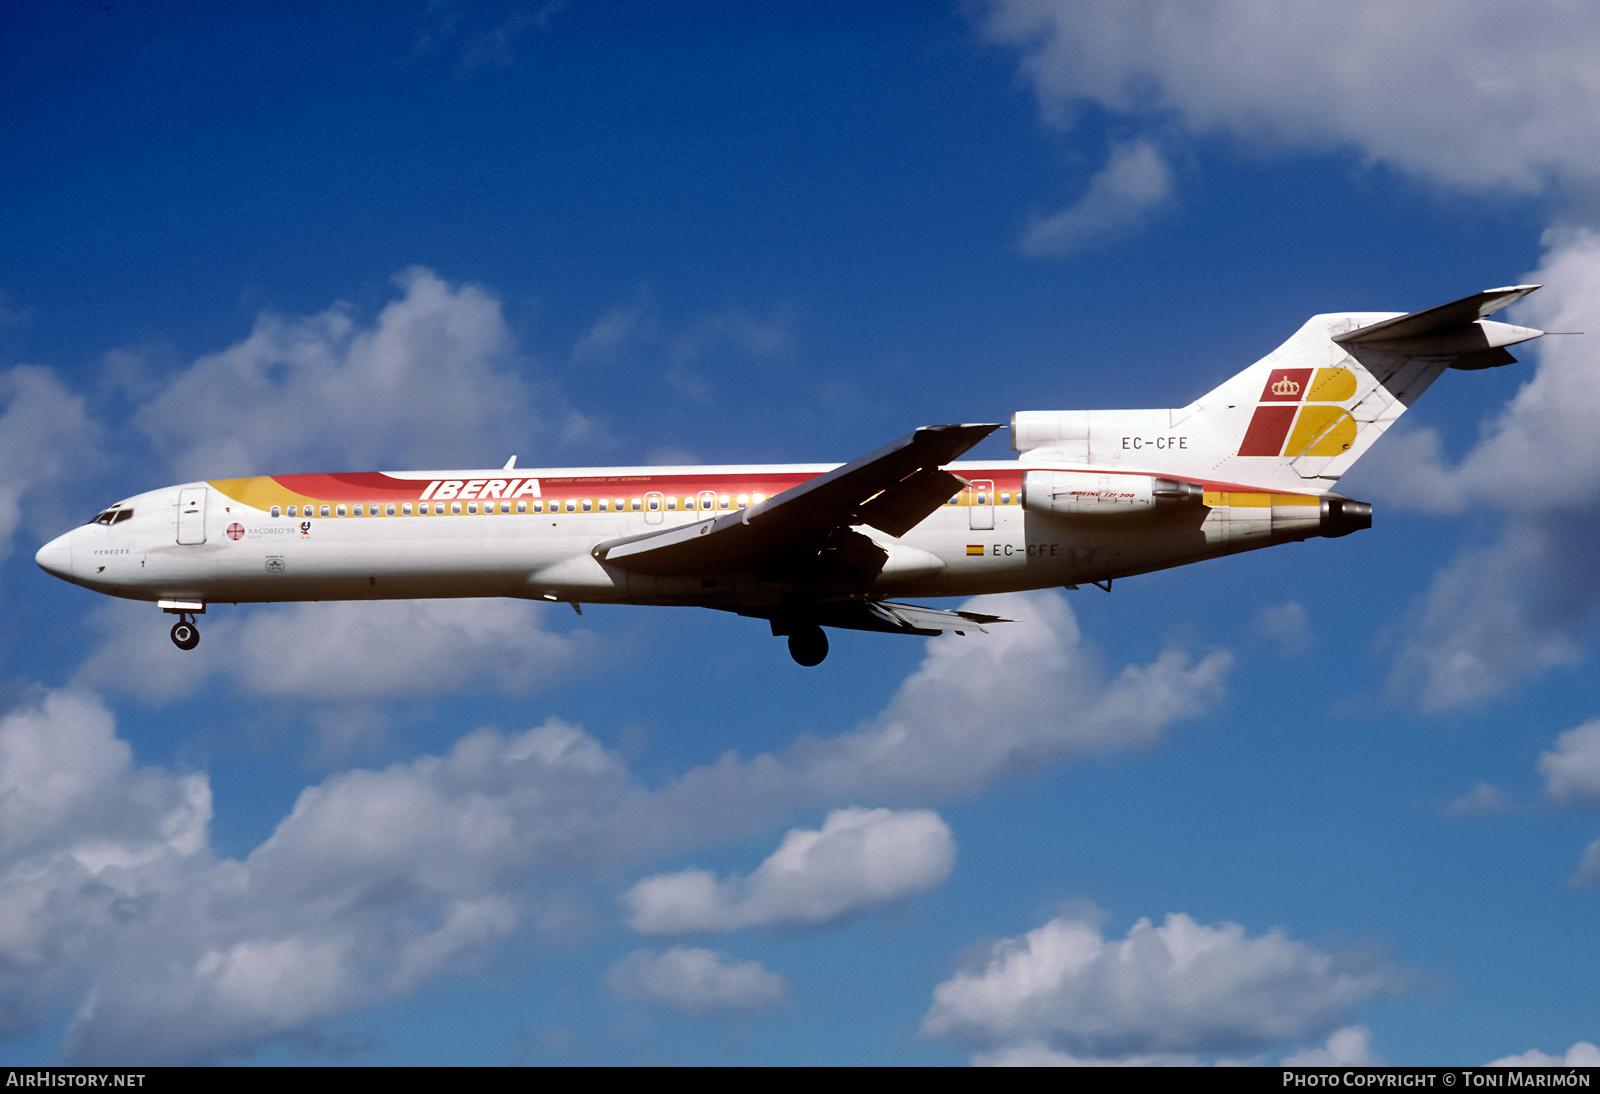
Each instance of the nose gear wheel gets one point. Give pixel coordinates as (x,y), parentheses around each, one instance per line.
(185,635)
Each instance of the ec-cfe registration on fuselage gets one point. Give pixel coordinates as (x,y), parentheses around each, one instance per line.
(1095,495)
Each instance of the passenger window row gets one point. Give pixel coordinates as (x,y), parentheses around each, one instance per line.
(982,498)
(653,503)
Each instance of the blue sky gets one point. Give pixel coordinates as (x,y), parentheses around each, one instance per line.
(1335,801)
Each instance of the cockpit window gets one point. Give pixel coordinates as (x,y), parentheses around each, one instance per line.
(111,516)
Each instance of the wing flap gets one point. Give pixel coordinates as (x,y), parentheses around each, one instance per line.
(909,502)
(885,616)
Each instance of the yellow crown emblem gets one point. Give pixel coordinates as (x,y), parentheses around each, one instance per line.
(1286,386)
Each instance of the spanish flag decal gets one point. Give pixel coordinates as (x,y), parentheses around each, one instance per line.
(974,548)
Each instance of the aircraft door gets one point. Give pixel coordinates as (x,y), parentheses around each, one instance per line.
(653,504)
(192,515)
(980,503)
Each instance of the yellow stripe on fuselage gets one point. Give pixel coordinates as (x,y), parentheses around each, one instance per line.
(1215,498)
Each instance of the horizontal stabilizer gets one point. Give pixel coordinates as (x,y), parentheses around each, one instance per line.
(1442,319)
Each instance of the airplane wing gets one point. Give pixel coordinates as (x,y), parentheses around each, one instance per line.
(892,489)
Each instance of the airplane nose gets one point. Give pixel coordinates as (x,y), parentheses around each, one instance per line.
(55,557)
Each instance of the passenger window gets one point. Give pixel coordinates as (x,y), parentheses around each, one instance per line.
(522,507)
(405,510)
(324,510)
(572,506)
(634,505)
(621,504)
(602,505)
(744,500)
(655,505)
(472,507)
(758,498)
(388,510)
(538,507)
(722,502)
(275,511)
(357,511)
(455,508)
(341,510)
(294,510)
(588,506)
(1005,498)
(672,504)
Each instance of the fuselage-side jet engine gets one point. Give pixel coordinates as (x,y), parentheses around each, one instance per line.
(1095,495)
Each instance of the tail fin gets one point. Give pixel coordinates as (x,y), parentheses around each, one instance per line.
(1301,416)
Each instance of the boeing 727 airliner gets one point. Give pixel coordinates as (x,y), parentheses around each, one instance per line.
(1095,495)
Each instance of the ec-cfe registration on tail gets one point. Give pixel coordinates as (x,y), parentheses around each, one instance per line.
(1095,495)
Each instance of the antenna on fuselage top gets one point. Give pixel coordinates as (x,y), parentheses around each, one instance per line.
(512,462)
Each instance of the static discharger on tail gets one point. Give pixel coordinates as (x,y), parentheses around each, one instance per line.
(1095,495)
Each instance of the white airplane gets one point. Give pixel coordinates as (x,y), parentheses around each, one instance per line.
(1095,495)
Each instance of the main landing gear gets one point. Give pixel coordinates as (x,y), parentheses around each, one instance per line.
(185,635)
(808,645)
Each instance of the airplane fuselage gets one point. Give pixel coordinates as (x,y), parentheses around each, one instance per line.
(533,534)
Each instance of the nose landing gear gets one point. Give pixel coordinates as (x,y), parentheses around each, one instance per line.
(185,635)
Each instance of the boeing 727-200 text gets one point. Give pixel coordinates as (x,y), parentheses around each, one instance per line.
(1095,495)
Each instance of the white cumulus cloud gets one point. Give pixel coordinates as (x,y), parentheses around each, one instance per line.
(114,906)
(1348,1047)
(1456,92)
(1287,625)
(46,438)
(1135,181)
(433,382)
(696,981)
(1179,988)
(1483,800)
(1581,1054)
(1572,772)
(960,721)
(859,858)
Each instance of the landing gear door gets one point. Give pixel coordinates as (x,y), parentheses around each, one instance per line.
(980,503)
(192,515)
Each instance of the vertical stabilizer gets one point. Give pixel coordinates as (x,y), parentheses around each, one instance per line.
(1300,417)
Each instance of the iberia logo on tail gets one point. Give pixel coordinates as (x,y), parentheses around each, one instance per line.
(1320,428)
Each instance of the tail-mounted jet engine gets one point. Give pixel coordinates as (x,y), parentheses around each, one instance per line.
(1083,493)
